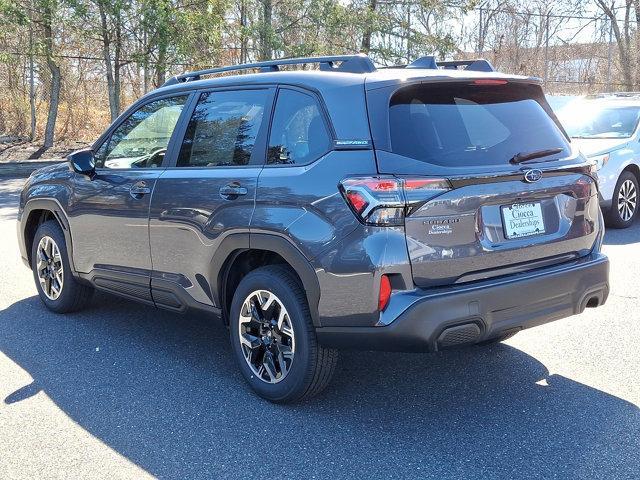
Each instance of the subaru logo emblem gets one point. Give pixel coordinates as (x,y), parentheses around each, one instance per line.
(531,176)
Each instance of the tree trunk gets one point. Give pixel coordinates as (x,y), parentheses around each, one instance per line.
(117,66)
(161,66)
(32,87)
(145,60)
(266,51)
(54,93)
(146,76)
(106,55)
(623,40)
(636,8)
(627,68)
(244,41)
(368,31)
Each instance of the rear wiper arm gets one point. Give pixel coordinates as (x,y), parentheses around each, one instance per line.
(525,157)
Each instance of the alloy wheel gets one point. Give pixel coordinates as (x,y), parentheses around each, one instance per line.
(266,336)
(627,200)
(49,268)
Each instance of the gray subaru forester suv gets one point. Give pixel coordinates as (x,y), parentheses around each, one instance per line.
(411,208)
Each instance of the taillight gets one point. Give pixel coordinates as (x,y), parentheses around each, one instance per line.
(385,201)
(357,201)
(385,292)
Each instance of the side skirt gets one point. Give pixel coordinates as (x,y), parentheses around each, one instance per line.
(140,286)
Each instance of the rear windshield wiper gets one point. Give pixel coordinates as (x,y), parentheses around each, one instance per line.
(525,157)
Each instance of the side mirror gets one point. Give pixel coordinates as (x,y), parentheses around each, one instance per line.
(83,162)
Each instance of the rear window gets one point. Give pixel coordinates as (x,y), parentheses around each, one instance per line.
(464,124)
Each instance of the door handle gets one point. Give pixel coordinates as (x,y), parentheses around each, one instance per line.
(233,190)
(139,189)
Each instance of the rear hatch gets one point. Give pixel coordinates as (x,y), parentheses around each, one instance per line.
(515,196)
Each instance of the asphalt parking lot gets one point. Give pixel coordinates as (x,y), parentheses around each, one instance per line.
(125,391)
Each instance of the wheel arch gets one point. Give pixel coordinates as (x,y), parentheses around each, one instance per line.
(36,212)
(238,254)
(633,168)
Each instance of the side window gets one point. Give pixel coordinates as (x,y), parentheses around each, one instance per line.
(223,129)
(142,139)
(299,135)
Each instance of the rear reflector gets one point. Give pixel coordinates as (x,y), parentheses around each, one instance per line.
(385,292)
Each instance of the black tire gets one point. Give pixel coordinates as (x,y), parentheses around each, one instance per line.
(613,217)
(312,365)
(498,339)
(74,295)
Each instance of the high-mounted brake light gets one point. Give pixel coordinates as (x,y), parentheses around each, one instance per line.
(489,81)
(385,201)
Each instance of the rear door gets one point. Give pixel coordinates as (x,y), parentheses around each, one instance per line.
(208,193)
(518,197)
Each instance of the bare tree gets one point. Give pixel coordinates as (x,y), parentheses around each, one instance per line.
(111,33)
(626,36)
(48,8)
(266,30)
(32,82)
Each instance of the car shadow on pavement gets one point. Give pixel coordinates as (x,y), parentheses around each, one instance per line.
(163,391)
(623,236)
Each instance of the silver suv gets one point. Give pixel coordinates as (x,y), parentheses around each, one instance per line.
(605,128)
(413,208)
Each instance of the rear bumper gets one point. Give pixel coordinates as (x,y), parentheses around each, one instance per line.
(471,314)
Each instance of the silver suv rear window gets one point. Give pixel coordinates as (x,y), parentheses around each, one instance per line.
(460,124)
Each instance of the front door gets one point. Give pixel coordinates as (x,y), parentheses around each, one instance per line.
(208,193)
(109,214)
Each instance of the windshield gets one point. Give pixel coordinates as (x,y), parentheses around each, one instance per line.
(473,124)
(592,121)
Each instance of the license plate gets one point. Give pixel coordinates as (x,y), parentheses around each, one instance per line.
(522,220)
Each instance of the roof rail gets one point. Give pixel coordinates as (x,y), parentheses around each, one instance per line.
(348,63)
(478,65)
